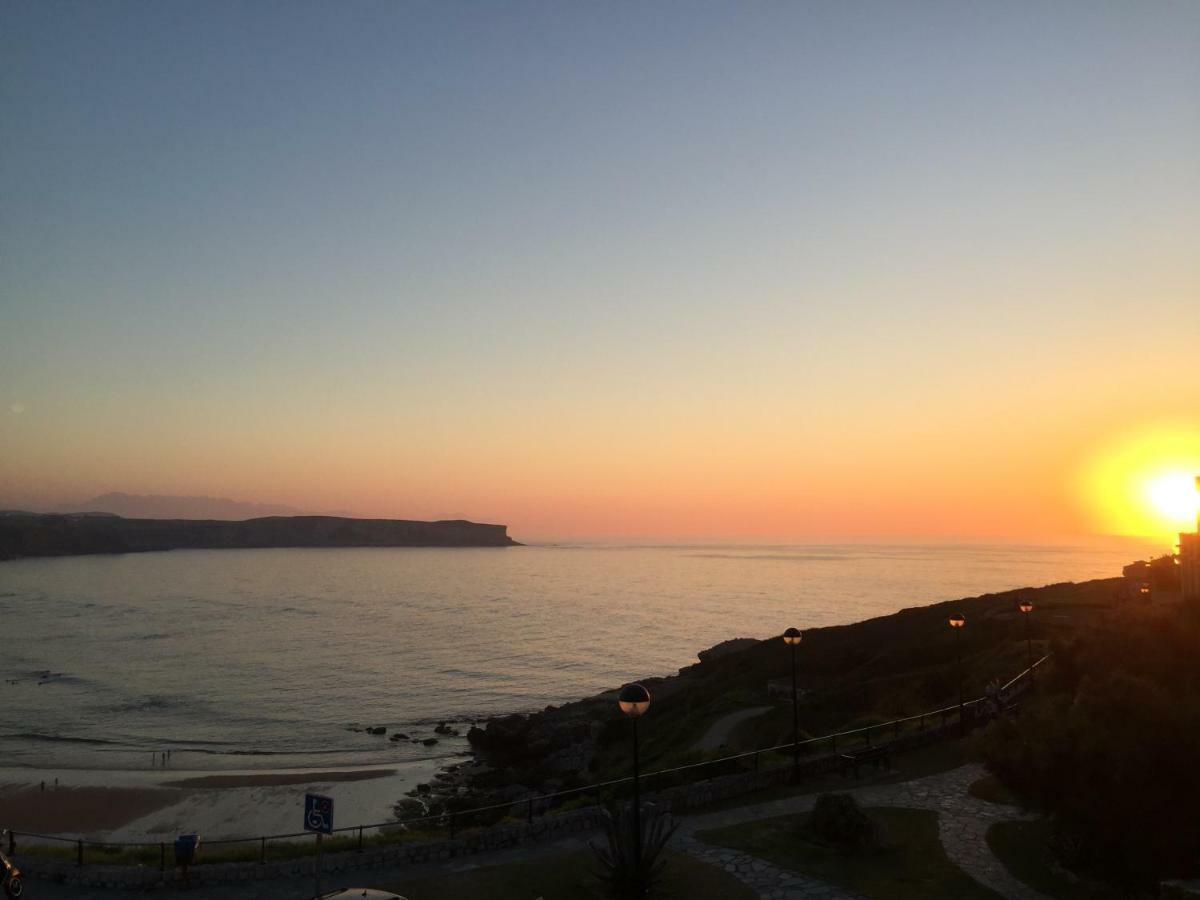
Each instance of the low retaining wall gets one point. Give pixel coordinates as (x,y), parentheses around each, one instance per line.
(370,857)
(683,798)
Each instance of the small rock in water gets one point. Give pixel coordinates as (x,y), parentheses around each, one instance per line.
(377,729)
(429,742)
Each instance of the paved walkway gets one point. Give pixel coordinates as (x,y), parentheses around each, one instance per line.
(963,822)
(768,881)
(718,732)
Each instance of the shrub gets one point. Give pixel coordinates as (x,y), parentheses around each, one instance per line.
(620,872)
(838,821)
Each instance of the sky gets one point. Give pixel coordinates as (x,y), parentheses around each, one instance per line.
(812,271)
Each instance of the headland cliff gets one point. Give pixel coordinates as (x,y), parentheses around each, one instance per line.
(34,534)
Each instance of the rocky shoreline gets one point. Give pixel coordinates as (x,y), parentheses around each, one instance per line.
(522,755)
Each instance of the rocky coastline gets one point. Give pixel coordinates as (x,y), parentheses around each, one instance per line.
(518,756)
(850,675)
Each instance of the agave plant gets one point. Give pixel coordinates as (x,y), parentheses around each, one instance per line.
(627,876)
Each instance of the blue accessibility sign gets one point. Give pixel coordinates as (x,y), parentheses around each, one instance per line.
(318,813)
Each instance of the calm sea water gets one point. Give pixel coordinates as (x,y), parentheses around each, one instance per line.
(266,658)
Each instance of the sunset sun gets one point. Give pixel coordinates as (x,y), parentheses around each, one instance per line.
(1144,484)
(1173,496)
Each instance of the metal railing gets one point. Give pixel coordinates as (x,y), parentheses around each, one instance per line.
(355,837)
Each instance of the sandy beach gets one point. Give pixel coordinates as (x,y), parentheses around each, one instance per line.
(155,806)
(25,808)
(276,779)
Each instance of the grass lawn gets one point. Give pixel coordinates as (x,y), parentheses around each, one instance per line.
(1024,848)
(913,866)
(569,876)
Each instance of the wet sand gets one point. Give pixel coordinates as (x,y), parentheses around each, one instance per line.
(276,780)
(124,805)
(80,810)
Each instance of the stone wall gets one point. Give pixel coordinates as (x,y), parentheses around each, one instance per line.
(371,857)
(682,798)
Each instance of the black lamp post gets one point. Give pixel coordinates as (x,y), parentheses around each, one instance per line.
(634,700)
(792,638)
(1026,607)
(957,621)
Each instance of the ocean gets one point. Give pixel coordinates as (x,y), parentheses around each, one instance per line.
(271,659)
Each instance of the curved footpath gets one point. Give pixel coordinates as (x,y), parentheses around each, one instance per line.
(718,733)
(963,822)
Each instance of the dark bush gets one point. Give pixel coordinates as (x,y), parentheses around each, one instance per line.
(838,821)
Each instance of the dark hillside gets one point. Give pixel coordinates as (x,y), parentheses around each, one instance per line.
(870,671)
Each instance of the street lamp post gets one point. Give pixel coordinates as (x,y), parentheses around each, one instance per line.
(634,700)
(1026,607)
(792,638)
(957,621)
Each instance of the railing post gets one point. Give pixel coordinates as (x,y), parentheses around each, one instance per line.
(755,760)
(360,828)
(896,731)
(79,854)
(263,854)
(867,734)
(530,810)
(922,721)
(834,736)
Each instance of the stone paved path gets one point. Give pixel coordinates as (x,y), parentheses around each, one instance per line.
(768,881)
(963,822)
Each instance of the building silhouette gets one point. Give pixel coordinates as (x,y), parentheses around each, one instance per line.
(1189,560)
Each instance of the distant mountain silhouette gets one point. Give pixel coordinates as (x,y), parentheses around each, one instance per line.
(160,506)
(59,534)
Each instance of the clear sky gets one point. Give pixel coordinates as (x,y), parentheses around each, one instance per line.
(724,270)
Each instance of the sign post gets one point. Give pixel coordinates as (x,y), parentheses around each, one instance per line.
(318,817)
(186,846)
